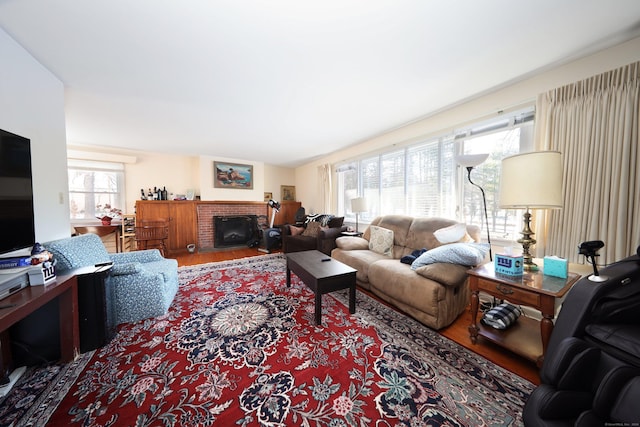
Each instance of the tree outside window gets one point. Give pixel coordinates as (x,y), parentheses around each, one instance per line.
(95,190)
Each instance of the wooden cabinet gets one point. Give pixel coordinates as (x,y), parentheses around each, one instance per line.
(181,216)
(287,213)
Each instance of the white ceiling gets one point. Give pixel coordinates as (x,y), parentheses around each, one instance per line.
(287,81)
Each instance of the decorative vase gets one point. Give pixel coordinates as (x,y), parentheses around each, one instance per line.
(106,220)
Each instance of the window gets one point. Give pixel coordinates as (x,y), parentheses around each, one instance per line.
(96,189)
(424,180)
(430,179)
(503,139)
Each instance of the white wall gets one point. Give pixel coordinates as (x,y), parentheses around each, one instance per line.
(144,170)
(507,98)
(177,173)
(275,177)
(32,106)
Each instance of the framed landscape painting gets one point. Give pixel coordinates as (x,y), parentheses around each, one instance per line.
(232,175)
(288,193)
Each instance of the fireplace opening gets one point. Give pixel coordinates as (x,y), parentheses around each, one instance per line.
(233,230)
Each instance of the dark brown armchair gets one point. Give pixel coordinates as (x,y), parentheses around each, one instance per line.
(312,235)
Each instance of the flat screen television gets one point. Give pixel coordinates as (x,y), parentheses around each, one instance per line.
(17,228)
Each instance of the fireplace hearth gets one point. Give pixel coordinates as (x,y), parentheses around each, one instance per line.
(232,231)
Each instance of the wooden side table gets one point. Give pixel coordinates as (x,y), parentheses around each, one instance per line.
(102,230)
(525,337)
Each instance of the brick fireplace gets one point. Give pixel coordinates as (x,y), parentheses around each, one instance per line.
(206,211)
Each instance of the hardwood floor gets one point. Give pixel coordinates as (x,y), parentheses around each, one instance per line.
(457,331)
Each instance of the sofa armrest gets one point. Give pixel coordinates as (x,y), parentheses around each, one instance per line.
(148,255)
(445,273)
(123,269)
(326,239)
(330,233)
(350,243)
(285,230)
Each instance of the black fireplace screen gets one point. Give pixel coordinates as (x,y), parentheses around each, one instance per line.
(233,230)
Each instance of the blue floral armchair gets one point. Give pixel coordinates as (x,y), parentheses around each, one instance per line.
(144,283)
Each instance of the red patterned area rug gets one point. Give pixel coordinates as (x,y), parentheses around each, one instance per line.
(239,348)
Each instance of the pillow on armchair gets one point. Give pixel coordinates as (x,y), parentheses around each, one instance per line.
(312,229)
(294,230)
(326,220)
(335,221)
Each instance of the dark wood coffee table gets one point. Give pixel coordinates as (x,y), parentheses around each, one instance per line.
(322,277)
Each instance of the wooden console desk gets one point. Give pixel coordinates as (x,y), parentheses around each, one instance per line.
(23,303)
(103,230)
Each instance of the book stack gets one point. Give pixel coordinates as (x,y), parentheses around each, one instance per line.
(15,262)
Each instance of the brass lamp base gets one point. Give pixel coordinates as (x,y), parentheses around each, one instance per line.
(527,241)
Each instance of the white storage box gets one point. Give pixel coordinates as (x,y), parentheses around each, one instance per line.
(42,274)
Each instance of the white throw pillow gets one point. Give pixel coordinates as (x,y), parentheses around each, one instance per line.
(451,234)
(454,253)
(381,240)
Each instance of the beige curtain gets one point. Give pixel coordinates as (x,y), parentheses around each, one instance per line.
(595,124)
(326,190)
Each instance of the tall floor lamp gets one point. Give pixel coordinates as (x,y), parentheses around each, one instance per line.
(531,181)
(470,161)
(358,205)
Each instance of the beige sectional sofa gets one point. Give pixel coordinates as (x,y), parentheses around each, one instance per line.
(435,294)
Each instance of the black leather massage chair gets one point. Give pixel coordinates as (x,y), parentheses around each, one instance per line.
(591,371)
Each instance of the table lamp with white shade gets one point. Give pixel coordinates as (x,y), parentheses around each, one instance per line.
(358,205)
(531,181)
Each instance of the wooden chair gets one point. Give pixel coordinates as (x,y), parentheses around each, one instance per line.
(152,234)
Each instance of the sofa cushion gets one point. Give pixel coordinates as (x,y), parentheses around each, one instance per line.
(454,253)
(421,232)
(295,231)
(312,229)
(381,240)
(447,274)
(350,243)
(399,224)
(361,260)
(394,280)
